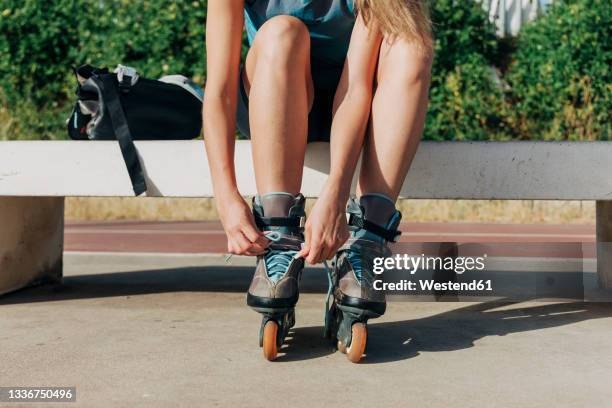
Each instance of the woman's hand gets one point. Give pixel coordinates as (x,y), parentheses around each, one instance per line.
(325,230)
(243,236)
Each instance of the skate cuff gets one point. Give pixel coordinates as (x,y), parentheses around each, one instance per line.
(359,222)
(292,222)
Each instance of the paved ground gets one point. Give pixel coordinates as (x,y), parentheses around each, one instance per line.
(173,330)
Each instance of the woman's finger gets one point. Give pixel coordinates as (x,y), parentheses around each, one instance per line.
(304,251)
(253,234)
(255,247)
(256,237)
(238,248)
(314,256)
(262,242)
(307,243)
(241,243)
(329,253)
(241,249)
(338,244)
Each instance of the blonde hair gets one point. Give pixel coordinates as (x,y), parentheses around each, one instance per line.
(408,19)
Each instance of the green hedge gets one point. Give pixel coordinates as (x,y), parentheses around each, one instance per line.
(37,46)
(40,42)
(465,101)
(560,78)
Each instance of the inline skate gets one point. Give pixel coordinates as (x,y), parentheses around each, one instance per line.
(274,290)
(352,300)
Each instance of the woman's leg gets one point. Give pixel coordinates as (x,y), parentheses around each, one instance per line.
(398,113)
(279,85)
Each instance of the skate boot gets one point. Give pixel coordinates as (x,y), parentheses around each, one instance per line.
(373,221)
(274,290)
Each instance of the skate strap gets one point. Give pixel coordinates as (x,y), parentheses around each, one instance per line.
(295,222)
(359,222)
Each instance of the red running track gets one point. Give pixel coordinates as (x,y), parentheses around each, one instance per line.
(208,237)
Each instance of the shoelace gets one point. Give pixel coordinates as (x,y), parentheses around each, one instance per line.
(277,262)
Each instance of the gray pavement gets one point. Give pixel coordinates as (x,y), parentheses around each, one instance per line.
(134,331)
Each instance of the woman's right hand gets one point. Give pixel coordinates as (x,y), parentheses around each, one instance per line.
(243,236)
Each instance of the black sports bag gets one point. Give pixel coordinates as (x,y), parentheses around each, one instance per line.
(125,107)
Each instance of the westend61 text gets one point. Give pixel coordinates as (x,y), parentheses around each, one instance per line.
(430,284)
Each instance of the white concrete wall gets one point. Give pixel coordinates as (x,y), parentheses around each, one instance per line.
(31,241)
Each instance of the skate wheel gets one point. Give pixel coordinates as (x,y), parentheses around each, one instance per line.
(270,334)
(341,347)
(358,342)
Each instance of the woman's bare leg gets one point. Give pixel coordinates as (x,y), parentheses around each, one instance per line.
(279,84)
(398,114)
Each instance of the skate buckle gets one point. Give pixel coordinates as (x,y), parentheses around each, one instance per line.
(355,222)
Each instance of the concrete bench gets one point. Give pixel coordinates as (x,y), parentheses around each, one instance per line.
(35,176)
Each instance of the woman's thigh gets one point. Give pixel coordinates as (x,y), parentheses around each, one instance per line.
(281,49)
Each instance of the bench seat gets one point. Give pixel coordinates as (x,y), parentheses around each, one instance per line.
(35,176)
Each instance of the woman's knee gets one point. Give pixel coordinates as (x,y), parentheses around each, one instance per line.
(283,38)
(404,62)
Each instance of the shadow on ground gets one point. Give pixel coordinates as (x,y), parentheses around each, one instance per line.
(451,330)
(184,279)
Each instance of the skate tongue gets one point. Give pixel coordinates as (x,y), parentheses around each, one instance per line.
(277,204)
(377,208)
(280,211)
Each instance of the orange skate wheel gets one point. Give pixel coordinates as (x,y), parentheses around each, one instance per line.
(269,340)
(358,343)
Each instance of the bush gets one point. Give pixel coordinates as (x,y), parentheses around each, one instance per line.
(156,37)
(466,103)
(39,45)
(561,78)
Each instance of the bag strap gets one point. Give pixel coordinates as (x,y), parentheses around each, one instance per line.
(108,88)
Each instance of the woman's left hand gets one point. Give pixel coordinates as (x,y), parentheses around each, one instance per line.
(326,229)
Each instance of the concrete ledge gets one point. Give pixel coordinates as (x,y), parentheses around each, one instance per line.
(604,243)
(445,170)
(31,241)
